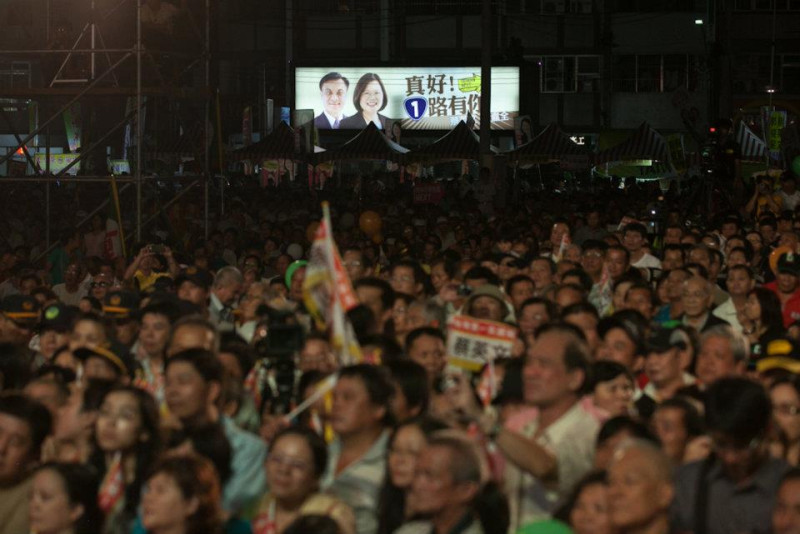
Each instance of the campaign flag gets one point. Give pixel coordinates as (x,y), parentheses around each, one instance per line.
(328,293)
(473,343)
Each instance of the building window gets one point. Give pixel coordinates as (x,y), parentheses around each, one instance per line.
(570,74)
(653,73)
(766,5)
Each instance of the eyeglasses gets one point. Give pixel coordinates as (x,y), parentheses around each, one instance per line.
(99,284)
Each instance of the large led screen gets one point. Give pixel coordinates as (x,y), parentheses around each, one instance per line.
(418,98)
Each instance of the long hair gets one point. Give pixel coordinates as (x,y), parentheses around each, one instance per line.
(146,451)
(392,499)
(771,315)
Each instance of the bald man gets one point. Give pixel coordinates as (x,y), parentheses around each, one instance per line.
(640,488)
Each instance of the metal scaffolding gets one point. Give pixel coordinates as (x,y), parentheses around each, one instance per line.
(76,89)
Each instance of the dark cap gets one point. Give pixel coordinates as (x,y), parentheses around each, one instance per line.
(789,263)
(633,330)
(780,353)
(21,309)
(195,275)
(114,353)
(121,304)
(58,317)
(663,339)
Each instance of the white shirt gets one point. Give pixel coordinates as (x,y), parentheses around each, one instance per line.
(648,261)
(332,119)
(727,311)
(789,201)
(571,439)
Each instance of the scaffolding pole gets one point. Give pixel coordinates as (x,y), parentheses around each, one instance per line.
(138,120)
(208,111)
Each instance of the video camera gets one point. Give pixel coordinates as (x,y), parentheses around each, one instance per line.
(277,350)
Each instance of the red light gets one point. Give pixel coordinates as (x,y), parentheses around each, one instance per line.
(712,130)
(19,152)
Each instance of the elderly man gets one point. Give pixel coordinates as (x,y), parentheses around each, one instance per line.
(723,352)
(640,488)
(224,294)
(696,298)
(556,449)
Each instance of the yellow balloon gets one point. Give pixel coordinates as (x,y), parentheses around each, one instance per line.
(370,223)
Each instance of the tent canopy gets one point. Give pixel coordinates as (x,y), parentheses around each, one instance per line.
(549,146)
(459,143)
(370,143)
(279,144)
(644,144)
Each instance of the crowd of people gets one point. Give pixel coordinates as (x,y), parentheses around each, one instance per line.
(652,386)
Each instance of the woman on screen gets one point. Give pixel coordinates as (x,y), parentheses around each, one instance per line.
(369,98)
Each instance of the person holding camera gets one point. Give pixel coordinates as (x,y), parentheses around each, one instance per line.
(149,266)
(764,200)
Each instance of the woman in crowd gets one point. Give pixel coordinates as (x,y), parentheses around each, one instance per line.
(611,389)
(406,442)
(63,500)
(127,444)
(182,496)
(88,330)
(296,462)
(763,320)
(785,396)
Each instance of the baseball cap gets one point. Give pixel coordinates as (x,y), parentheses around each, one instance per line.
(789,263)
(780,353)
(199,277)
(58,317)
(663,339)
(121,304)
(114,353)
(22,309)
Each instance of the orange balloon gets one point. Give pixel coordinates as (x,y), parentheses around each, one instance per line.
(370,223)
(775,256)
(311,229)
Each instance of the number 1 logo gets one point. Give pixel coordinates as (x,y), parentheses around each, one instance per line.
(416,106)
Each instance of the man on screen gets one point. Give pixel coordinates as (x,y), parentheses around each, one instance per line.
(333,90)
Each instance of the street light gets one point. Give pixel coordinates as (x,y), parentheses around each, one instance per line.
(699,22)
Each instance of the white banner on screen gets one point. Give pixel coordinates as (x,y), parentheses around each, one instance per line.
(429,98)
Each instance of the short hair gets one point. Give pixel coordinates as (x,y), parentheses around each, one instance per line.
(316,523)
(204,362)
(482,273)
(378,384)
(15,366)
(549,261)
(576,352)
(606,370)
(692,419)
(228,275)
(702,272)
(361,86)
(245,354)
(465,464)
(622,249)
(594,244)
(317,446)
(583,277)
(739,344)
(549,306)
(638,228)
(332,77)
(517,279)
(656,457)
(387,293)
(672,247)
(81,485)
(744,268)
(738,408)
(643,286)
(411,378)
(208,440)
(580,307)
(32,413)
(197,321)
(165,308)
(417,333)
(623,423)
(196,477)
